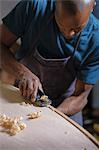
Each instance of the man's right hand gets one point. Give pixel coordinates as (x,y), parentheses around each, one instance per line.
(29,85)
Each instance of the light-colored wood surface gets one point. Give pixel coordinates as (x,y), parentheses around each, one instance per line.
(51,131)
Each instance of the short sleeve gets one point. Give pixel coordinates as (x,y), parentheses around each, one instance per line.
(89,70)
(17,20)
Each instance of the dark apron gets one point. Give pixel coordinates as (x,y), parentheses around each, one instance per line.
(57,77)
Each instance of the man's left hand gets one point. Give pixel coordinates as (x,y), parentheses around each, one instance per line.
(73,104)
(77,101)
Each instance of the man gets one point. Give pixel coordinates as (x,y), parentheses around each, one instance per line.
(59,51)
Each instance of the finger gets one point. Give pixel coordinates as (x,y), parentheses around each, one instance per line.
(29,89)
(23,85)
(21,89)
(36,86)
(40,87)
(35,89)
(32,98)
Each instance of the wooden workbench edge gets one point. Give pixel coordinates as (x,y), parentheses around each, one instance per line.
(76,125)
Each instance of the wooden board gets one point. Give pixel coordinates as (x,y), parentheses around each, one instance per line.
(52,131)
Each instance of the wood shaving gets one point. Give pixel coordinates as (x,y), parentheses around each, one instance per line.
(44,98)
(34,115)
(12,125)
(22,125)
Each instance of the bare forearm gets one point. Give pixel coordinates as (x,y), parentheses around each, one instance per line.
(9,63)
(75,103)
(72,105)
(29,82)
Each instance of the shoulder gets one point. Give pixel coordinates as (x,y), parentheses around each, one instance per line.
(89,41)
(92,41)
(95,26)
(40,7)
(92,25)
(95,23)
(92,32)
(95,34)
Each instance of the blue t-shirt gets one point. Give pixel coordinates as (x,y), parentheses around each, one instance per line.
(33,21)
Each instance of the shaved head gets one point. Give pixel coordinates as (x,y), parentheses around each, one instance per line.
(74,6)
(72,15)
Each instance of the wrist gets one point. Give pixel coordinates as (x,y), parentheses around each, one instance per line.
(21,70)
(64,108)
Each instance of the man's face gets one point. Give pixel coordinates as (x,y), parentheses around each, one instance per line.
(69,25)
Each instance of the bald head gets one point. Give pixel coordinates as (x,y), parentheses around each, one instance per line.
(72,15)
(72,7)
